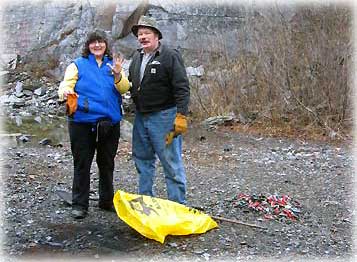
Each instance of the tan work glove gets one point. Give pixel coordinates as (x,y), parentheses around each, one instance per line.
(180,124)
(180,127)
(71,104)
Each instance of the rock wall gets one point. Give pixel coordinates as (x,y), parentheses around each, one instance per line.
(49,34)
(26,25)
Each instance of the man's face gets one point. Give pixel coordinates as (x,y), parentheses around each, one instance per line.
(148,39)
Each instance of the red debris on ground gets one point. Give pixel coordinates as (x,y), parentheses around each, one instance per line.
(273,206)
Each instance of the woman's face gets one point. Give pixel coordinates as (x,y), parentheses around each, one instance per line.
(97,48)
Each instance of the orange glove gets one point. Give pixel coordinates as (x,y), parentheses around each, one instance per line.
(71,105)
(180,127)
(169,137)
(180,124)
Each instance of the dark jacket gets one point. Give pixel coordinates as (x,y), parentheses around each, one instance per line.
(164,85)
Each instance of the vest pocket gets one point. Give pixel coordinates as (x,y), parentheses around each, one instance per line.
(83,104)
(86,105)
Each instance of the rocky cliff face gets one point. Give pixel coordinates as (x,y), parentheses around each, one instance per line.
(49,34)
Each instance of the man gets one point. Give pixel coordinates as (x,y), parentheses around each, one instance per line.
(160,91)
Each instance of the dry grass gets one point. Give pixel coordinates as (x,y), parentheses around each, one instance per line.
(295,77)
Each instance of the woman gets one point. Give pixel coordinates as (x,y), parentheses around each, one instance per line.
(92,86)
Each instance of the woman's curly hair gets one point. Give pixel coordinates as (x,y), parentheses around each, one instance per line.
(96,36)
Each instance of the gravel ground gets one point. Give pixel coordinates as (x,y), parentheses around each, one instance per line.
(220,164)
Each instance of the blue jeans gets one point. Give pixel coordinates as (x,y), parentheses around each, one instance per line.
(149,134)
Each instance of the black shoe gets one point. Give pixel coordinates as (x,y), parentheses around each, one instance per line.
(79,213)
(109,208)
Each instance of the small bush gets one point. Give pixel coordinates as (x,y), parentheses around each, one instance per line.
(297,72)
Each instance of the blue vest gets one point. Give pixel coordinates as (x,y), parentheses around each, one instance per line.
(97,95)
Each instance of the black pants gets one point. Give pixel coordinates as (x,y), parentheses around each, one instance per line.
(84,142)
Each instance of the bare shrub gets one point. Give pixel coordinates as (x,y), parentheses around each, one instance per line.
(296,71)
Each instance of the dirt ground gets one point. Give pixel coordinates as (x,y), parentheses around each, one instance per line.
(220,164)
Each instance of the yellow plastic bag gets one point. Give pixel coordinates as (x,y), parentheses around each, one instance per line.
(156,218)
